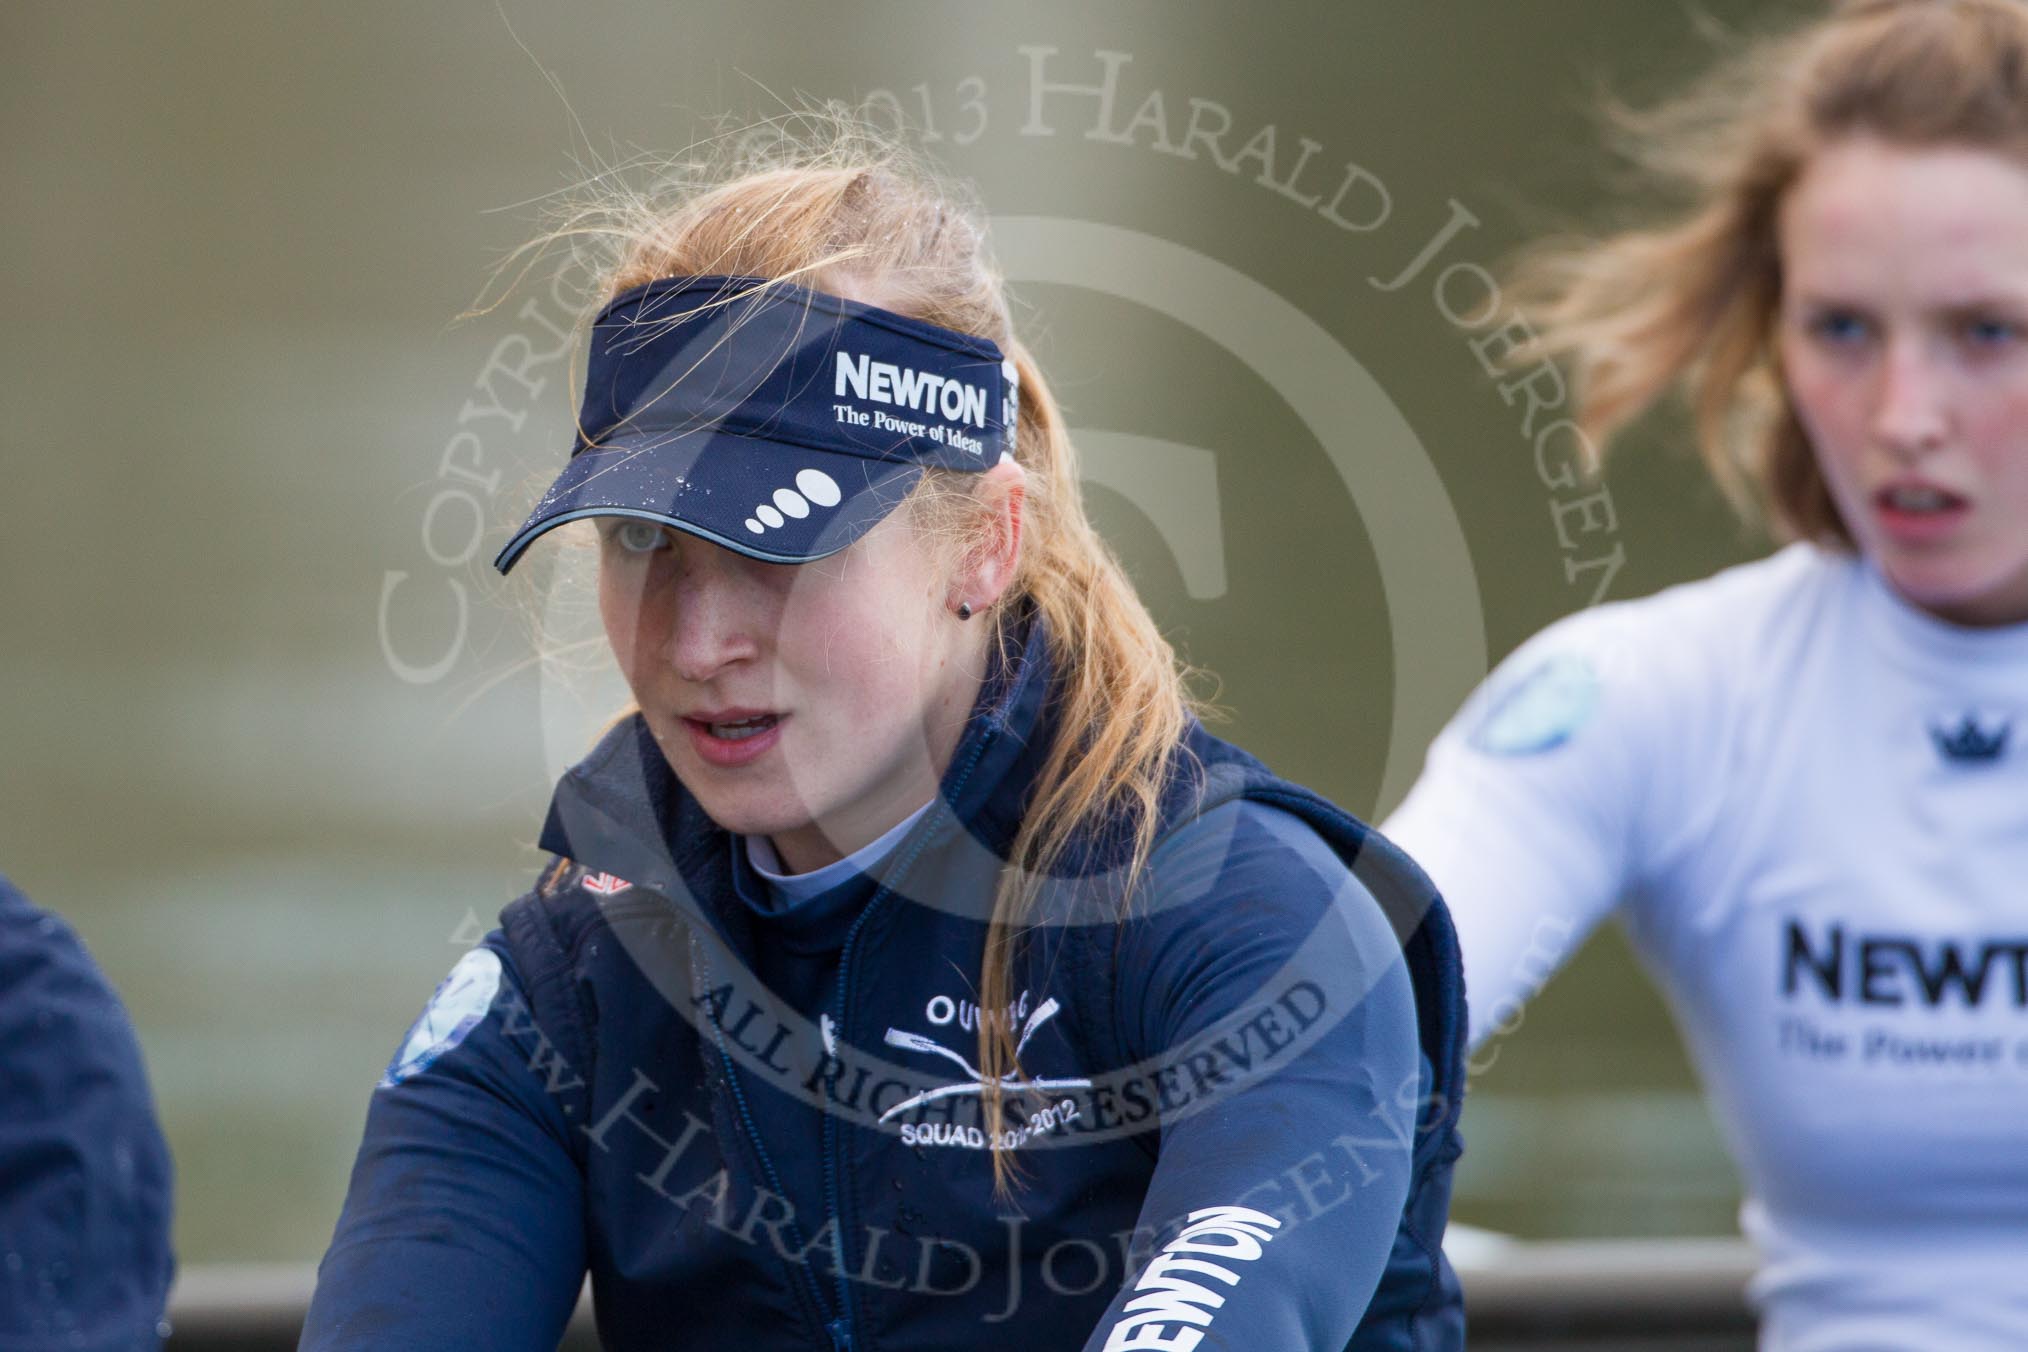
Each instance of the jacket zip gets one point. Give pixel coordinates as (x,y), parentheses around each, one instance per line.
(746,1124)
(841,1328)
(841,1004)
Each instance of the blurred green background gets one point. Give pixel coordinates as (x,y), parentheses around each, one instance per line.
(237,236)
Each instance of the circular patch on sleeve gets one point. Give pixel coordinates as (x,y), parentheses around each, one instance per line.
(1544,708)
(461,1000)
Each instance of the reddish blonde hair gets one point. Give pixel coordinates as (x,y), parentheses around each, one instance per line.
(1691,301)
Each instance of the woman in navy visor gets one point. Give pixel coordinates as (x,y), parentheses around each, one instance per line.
(912,969)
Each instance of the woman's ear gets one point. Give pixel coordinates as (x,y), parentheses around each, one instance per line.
(996,554)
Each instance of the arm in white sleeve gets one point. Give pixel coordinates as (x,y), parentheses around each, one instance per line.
(1527,815)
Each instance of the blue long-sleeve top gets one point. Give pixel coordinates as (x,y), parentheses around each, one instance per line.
(761,1126)
(85,1259)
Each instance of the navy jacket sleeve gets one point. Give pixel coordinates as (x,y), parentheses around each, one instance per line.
(464,1222)
(84,1172)
(1265,996)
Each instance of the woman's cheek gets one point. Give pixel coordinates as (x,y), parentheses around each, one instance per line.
(1808,393)
(1824,410)
(2000,443)
(620,613)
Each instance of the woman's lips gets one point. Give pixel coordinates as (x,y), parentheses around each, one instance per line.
(1914,513)
(734,737)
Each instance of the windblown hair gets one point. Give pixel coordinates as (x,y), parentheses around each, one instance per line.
(1692,301)
(825,202)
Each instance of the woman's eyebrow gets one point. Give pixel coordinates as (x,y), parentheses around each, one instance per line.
(1823,299)
(1984,303)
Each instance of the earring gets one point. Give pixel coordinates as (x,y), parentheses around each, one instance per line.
(964,610)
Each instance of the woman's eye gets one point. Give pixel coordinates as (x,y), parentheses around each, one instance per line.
(1987,332)
(637,537)
(1840,328)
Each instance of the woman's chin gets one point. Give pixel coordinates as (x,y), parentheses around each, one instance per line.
(1959,594)
(749,814)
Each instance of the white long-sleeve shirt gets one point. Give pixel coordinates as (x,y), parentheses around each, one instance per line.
(1809,803)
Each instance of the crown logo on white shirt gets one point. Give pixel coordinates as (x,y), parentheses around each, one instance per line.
(1971,742)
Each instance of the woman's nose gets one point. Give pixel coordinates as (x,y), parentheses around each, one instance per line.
(713,623)
(1911,414)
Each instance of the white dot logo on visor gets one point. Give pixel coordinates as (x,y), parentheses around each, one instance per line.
(813,488)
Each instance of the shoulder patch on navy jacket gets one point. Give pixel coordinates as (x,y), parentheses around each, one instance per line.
(460,1002)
